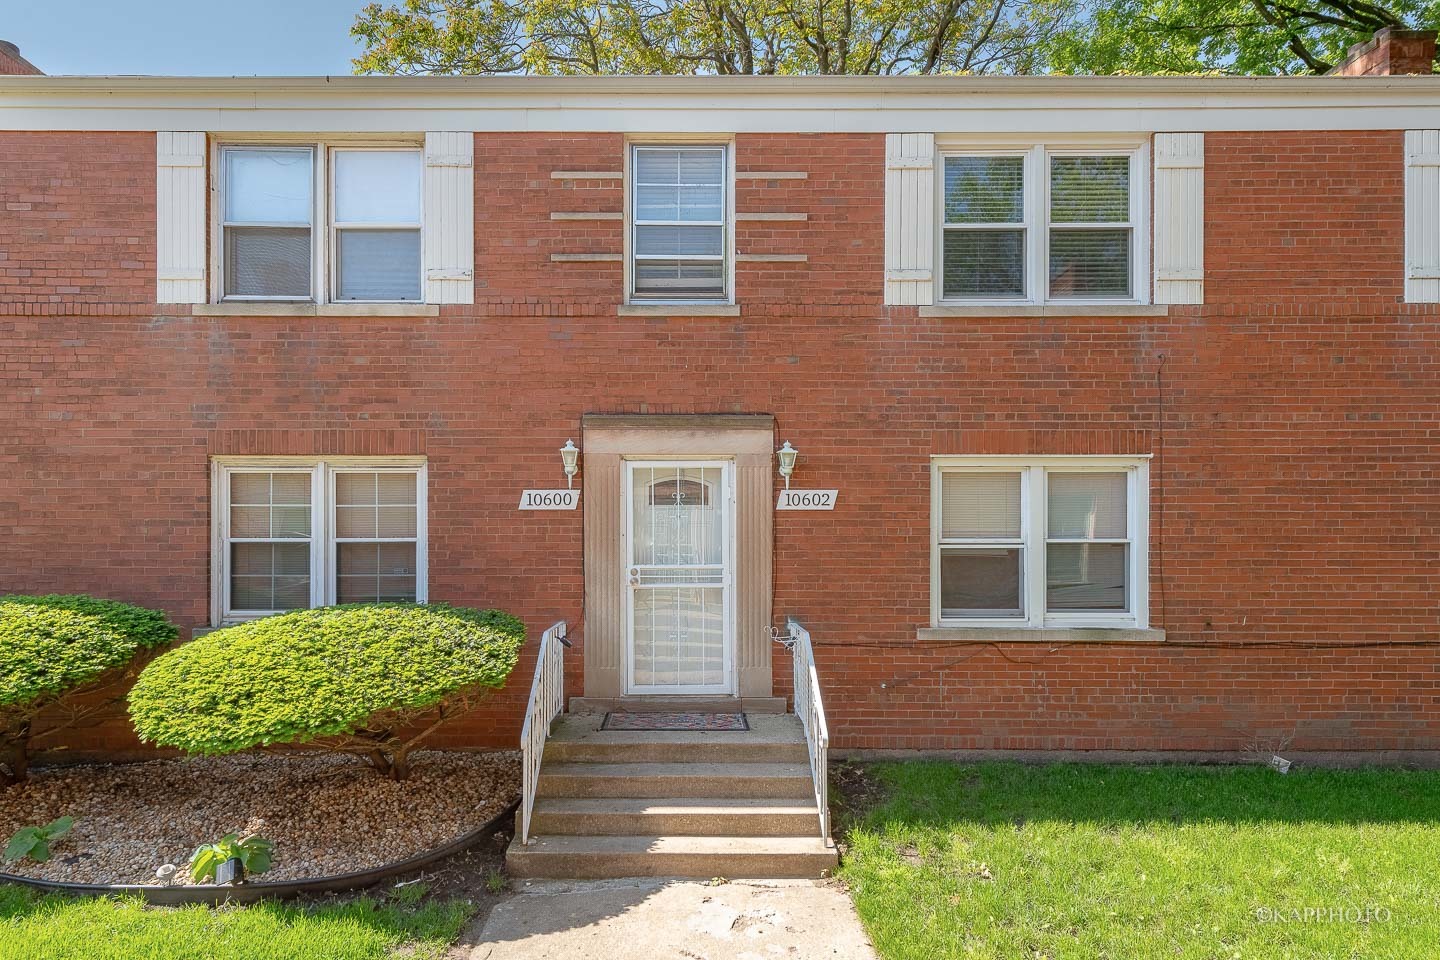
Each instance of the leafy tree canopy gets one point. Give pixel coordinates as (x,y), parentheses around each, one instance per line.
(577,37)
(1227,36)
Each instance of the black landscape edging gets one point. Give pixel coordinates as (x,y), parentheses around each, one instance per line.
(181,894)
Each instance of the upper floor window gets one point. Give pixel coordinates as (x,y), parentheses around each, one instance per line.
(679,218)
(293,533)
(1042,224)
(1058,541)
(367,201)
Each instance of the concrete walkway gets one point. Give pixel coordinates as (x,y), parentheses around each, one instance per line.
(657,919)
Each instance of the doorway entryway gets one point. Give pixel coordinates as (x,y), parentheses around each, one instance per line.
(679,577)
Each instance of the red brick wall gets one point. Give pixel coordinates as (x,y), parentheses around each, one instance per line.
(1293,421)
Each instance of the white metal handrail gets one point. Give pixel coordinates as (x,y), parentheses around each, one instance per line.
(547,700)
(811,711)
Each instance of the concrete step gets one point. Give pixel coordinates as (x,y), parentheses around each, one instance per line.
(679,704)
(680,816)
(667,780)
(577,738)
(670,856)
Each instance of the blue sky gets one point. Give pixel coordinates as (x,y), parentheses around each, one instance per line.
(183,37)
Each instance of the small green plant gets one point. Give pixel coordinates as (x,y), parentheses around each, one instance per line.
(411,893)
(372,680)
(34,842)
(254,854)
(495,881)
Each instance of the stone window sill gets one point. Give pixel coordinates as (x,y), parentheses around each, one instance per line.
(1042,634)
(261,309)
(1048,310)
(678,310)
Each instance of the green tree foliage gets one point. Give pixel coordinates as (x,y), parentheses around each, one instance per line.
(571,37)
(64,660)
(369,679)
(1227,36)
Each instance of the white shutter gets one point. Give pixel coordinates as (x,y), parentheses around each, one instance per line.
(449,218)
(179,217)
(910,218)
(1422,216)
(1179,218)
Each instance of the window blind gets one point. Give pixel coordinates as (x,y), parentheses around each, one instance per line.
(980,505)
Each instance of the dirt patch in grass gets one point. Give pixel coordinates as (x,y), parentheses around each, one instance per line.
(327,814)
(855,791)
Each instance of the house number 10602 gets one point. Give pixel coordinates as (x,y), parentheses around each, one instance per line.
(806,500)
(549,499)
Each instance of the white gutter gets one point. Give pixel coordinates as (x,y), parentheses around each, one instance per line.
(656,105)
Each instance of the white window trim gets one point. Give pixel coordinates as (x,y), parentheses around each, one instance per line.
(729,232)
(322,226)
(334,226)
(322,508)
(1033,530)
(1037,214)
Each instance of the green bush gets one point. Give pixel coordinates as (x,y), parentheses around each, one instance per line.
(369,679)
(57,656)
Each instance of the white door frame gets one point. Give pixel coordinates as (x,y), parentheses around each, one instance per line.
(627,494)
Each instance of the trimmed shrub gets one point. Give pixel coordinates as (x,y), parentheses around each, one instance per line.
(63,660)
(369,679)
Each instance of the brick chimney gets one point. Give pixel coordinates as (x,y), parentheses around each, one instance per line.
(1389,53)
(12,64)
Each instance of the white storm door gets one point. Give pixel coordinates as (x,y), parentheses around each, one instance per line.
(679,577)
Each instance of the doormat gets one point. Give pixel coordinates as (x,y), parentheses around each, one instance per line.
(706,722)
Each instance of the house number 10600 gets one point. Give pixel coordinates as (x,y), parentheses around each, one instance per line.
(549,499)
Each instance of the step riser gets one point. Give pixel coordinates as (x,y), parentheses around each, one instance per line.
(559,751)
(526,863)
(664,787)
(675,824)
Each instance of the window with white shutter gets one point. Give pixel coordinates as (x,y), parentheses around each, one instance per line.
(1036,224)
(1036,542)
(317,222)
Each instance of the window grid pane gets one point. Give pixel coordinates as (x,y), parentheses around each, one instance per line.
(268,206)
(984,190)
(270,533)
(269,548)
(984,264)
(1090,263)
(678,222)
(376,537)
(1074,562)
(982,582)
(1087,553)
(980,505)
(1090,189)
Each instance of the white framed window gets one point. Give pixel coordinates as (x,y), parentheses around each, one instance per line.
(294,532)
(1042,223)
(679,235)
(319,223)
(1040,541)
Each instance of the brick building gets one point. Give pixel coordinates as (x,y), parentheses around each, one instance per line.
(1126,388)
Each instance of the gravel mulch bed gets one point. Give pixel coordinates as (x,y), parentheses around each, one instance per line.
(327,814)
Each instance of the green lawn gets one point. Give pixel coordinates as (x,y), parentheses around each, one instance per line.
(58,928)
(1067,862)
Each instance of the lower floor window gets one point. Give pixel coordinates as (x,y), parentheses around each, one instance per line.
(1055,541)
(296,533)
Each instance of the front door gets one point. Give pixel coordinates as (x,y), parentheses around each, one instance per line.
(679,577)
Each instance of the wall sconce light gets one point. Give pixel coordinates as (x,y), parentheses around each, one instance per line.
(570,457)
(787,455)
